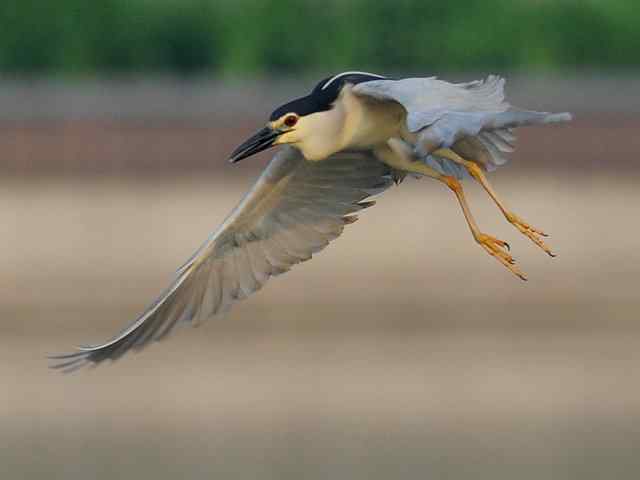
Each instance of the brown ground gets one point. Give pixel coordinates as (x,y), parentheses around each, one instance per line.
(402,351)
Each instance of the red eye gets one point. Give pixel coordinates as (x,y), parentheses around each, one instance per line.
(291,120)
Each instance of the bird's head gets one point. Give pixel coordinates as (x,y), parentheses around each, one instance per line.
(311,123)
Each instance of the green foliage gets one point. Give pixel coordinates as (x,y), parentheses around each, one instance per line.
(251,36)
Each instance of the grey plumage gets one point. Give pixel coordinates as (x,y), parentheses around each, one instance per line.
(444,114)
(293,211)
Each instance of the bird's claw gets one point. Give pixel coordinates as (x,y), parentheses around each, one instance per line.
(530,232)
(496,248)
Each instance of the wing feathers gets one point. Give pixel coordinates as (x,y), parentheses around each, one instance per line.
(293,211)
(472,117)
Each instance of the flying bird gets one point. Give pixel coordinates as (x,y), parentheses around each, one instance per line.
(352,137)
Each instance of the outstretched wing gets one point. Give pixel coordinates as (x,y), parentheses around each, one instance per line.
(472,117)
(294,210)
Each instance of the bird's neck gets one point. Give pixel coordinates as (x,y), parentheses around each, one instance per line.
(354,122)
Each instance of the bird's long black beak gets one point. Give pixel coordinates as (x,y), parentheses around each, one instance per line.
(260,141)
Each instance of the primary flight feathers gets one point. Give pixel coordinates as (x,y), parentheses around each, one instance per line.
(293,211)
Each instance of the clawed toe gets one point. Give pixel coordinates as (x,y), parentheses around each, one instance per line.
(530,232)
(496,248)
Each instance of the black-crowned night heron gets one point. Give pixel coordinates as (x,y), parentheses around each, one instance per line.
(350,138)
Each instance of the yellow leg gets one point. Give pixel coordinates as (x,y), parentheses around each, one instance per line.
(400,156)
(492,245)
(476,172)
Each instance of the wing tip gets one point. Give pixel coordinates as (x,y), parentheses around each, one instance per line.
(559,117)
(70,362)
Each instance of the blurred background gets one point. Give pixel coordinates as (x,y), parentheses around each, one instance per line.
(403,351)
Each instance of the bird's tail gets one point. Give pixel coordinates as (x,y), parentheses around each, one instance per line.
(491,146)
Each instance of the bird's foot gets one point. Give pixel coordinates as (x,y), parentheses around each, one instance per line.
(498,249)
(531,232)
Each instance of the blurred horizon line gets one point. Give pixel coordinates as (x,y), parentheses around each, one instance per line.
(163,97)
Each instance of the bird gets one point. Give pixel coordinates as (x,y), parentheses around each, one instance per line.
(351,138)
